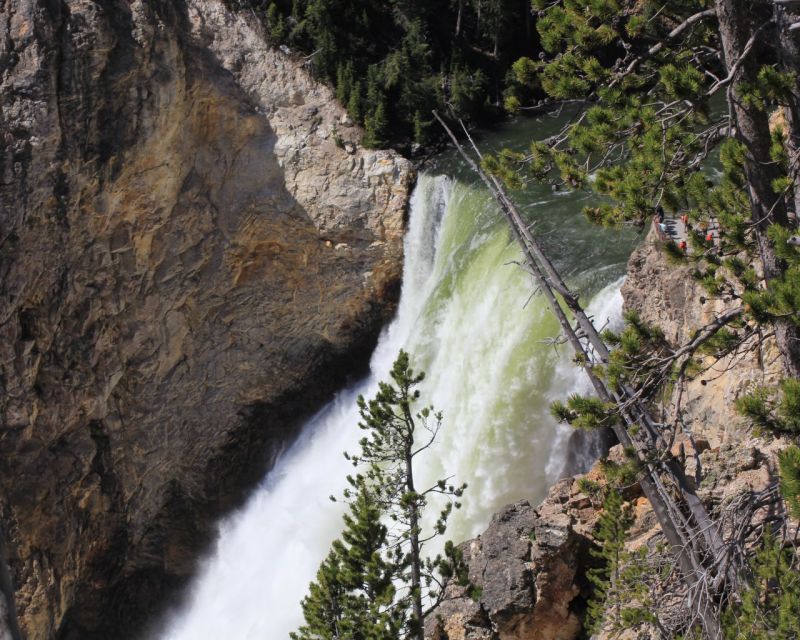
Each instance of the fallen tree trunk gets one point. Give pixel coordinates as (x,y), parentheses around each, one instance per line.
(689,529)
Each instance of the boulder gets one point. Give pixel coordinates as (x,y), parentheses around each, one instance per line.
(529,569)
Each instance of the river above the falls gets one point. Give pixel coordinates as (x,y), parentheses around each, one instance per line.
(469,318)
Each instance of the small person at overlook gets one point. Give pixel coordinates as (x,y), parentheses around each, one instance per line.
(660,224)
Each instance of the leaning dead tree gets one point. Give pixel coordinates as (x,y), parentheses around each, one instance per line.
(709,567)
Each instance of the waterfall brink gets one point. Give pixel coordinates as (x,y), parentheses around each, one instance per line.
(268,553)
(463,317)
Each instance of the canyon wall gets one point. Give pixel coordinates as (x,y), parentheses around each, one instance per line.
(531,563)
(194,250)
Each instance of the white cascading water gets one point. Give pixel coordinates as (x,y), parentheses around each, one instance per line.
(463,317)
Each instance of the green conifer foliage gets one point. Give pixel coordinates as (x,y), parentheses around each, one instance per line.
(632,359)
(468,92)
(649,72)
(376,134)
(344,82)
(276,24)
(612,528)
(353,593)
(420,129)
(623,581)
(771,408)
(355,104)
(584,412)
(770,607)
(789,462)
(377,583)
(422,49)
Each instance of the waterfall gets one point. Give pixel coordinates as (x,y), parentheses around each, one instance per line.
(468,318)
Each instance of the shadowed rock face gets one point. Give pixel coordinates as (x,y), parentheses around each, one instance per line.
(189,264)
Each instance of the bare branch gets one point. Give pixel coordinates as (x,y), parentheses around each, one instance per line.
(697,17)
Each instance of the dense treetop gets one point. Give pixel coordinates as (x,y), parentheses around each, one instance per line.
(393,61)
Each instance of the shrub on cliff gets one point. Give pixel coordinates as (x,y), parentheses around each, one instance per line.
(789,463)
(773,408)
(612,528)
(770,606)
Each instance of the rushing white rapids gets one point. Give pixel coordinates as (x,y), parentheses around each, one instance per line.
(463,316)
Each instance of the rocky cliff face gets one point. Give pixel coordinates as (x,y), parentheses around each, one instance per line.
(535,568)
(669,297)
(191,258)
(529,566)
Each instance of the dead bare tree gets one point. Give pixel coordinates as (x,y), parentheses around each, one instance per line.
(707,569)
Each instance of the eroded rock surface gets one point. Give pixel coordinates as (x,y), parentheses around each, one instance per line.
(668,296)
(190,261)
(529,566)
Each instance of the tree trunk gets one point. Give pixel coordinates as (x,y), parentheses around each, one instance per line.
(789,54)
(738,21)
(417,630)
(683,542)
(458,18)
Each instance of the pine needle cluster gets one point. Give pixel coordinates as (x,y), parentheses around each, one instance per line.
(770,607)
(377,583)
(775,408)
(653,77)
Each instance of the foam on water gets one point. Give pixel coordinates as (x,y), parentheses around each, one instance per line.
(464,318)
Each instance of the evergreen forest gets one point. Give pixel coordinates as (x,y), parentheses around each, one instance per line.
(393,61)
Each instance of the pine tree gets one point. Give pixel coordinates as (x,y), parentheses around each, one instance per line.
(375,135)
(396,437)
(612,528)
(623,582)
(789,462)
(275,24)
(770,607)
(376,582)
(649,74)
(353,592)
(344,82)
(420,129)
(356,102)
(468,93)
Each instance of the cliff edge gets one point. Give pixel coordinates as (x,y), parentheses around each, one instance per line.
(194,250)
(531,563)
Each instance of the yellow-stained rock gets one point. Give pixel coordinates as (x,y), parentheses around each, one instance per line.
(169,304)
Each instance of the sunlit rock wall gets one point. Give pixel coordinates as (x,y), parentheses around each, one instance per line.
(194,251)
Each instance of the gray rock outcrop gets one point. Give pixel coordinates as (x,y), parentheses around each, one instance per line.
(529,567)
(190,261)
